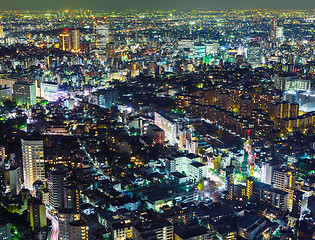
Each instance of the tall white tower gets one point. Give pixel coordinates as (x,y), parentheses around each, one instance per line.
(102,32)
(33,161)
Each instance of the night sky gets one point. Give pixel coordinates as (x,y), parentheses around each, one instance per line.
(155,4)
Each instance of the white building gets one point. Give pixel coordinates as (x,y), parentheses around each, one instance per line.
(48,91)
(33,161)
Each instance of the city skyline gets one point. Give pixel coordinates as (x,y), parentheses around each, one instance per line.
(160,5)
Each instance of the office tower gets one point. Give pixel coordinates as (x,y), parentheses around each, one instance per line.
(1,31)
(273,29)
(280,34)
(253,55)
(72,197)
(78,230)
(24,93)
(299,204)
(33,161)
(65,40)
(102,31)
(107,98)
(267,170)
(36,214)
(110,50)
(65,216)
(249,187)
(5,231)
(56,183)
(38,188)
(15,179)
(229,182)
(75,40)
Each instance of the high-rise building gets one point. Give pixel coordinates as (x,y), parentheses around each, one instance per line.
(253,55)
(102,32)
(72,197)
(5,231)
(245,105)
(65,40)
(280,34)
(267,170)
(15,179)
(37,214)
(1,31)
(33,161)
(38,188)
(299,204)
(56,183)
(273,29)
(229,182)
(78,230)
(2,179)
(110,49)
(24,93)
(65,216)
(284,179)
(107,98)
(249,187)
(75,40)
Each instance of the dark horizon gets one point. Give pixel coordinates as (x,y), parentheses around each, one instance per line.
(160,5)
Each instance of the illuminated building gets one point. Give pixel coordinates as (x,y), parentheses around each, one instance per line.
(195,233)
(299,204)
(245,105)
(102,32)
(24,93)
(185,43)
(1,31)
(5,230)
(107,98)
(290,82)
(110,50)
(158,229)
(78,230)
(275,197)
(37,214)
(65,40)
(65,216)
(253,55)
(196,171)
(284,179)
(229,182)
(267,171)
(48,91)
(249,187)
(224,99)
(33,161)
(279,34)
(75,40)
(199,50)
(72,197)
(2,179)
(273,29)
(56,182)
(15,180)
(168,125)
